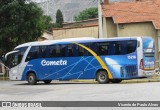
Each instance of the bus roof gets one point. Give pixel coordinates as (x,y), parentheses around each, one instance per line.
(79,40)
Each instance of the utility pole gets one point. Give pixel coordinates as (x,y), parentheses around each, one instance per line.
(47,8)
(100,18)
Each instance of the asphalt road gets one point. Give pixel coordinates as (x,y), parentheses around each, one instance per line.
(75,91)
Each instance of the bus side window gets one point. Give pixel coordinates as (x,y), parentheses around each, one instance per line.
(123,47)
(86,52)
(93,47)
(52,51)
(127,47)
(111,48)
(131,46)
(33,53)
(103,48)
(44,51)
(117,48)
(75,50)
(63,49)
(69,51)
(80,51)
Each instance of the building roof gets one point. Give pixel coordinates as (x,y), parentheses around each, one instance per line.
(130,12)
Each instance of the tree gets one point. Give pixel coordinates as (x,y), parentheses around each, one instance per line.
(59,19)
(20,21)
(87,14)
(48,25)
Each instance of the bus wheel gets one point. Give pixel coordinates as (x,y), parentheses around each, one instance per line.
(116,80)
(102,77)
(32,80)
(47,81)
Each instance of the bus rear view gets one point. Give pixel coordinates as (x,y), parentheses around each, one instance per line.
(147,62)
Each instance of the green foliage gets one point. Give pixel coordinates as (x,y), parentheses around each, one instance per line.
(87,14)
(20,21)
(48,25)
(59,19)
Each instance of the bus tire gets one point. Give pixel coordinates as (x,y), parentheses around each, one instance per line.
(102,77)
(47,81)
(116,80)
(32,80)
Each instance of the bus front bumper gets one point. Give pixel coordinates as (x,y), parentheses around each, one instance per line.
(149,73)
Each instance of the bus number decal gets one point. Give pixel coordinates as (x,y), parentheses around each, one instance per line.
(132,57)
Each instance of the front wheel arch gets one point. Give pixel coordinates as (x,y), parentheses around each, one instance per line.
(33,76)
(103,73)
(29,73)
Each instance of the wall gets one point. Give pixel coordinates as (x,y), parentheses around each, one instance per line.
(85,31)
(136,29)
(109,28)
(81,23)
(46,36)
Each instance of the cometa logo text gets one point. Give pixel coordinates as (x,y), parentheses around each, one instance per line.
(51,63)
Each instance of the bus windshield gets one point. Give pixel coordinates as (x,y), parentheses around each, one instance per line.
(149,54)
(13,58)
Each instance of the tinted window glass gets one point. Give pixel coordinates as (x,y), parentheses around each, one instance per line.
(72,50)
(56,51)
(149,54)
(131,46)
(43,52)
(21,52)
(69,51)
(12,60)
(84,52)
(103,48)
(117,47)
(34,53)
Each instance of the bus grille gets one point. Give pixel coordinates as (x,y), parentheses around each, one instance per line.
(131,70)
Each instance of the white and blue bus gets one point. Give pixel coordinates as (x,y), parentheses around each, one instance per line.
(106,60)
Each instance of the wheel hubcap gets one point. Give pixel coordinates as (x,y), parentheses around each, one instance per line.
(102,77)
(30,78)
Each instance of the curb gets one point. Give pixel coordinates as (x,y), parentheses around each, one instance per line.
(153,79)
(1,78)
(124,81)
(140,80)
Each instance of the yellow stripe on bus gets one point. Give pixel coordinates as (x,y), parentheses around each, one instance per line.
(98,59)
(149,69)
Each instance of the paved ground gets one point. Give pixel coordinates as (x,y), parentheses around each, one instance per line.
(76,91)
